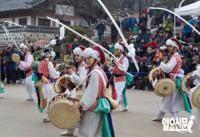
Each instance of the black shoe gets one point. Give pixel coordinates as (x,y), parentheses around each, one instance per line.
(46,120)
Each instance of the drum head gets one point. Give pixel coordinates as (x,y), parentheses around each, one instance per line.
(63,83)
(153,72)
(185,85)
(164,87)
(61,117)
(196,98)
(15,58)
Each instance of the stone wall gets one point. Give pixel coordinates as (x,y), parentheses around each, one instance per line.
(29,34)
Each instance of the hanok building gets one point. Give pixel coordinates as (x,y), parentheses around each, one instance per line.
(32,14)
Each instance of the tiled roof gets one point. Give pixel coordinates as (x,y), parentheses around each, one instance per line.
(9,5)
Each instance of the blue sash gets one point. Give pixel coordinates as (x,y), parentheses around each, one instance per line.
(186,102)
(1,88)
(104,107)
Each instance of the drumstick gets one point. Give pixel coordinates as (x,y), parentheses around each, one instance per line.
(114,22)
(8,33)
(83,80)
(119,31)
(9,36)
(75,89)
(80,35)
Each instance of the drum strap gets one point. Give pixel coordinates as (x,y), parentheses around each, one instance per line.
(72,94)
(101,92)
(101,75)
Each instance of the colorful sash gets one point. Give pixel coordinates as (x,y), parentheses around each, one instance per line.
(185,99)
(36,78)
(129,80)
(1,88)
(104,107)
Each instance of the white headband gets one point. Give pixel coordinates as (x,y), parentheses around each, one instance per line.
(170,42)
(23,46)
(78,51)
(119,46)
(89,52)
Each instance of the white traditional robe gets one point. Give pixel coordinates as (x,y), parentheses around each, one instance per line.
(196,82)
(78,77)
(48,89)
(24,65)
(171,103)
(90,125)
(81,73)
(119,86)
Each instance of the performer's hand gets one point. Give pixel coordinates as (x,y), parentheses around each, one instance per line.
(74,107)
(17,62)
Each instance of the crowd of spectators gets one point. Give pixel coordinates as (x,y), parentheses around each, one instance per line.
(149,45)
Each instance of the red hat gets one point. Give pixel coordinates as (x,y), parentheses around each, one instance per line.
(101,54)
(82,47)
(69,46)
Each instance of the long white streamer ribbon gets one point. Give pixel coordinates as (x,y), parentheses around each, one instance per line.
(9,36)
(80,35)
(119,31)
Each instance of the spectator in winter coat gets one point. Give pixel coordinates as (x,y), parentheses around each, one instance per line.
(100,30)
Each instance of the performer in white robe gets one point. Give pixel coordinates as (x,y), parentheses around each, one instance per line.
(172,103)
(27,66)
(78,76)
(119,73)
(91,123)
(81,71)
(46,68)
(196,82)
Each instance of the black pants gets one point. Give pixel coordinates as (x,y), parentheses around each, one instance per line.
(2,73)
(11,73)
(20,74)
